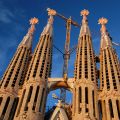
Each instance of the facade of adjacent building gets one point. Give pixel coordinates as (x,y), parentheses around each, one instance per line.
(26,82)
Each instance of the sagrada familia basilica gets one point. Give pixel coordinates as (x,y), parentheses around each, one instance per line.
(26,82)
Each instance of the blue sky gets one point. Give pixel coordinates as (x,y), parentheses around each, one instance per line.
(14,23)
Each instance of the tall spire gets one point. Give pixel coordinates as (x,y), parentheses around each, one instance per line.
(105,38)
(84,28)
(48,28)
(14,75)
(84,92)
(27,40)
(109,77)
(37,76)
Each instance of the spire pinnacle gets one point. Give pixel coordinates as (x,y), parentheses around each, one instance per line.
(84,29)
(84,13)
(51,12)
(103,22)
(105,38)
(33,22)
(48,28)
(27,40)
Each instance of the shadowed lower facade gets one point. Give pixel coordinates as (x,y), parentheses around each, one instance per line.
(26,82)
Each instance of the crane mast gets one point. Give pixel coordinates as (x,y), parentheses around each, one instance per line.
(66,58)
(116,44)
(66,55)
(67,51)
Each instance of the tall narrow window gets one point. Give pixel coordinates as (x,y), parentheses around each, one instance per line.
(5,107)
(28,98)
(104,110)
(86,95)
(111,108)
(1,98)
(35,99)
(80,97)
(93,97)
(118,108)
(100,109)
(86,98)
(21,102)
(80,94)
(40,108)
(13,109)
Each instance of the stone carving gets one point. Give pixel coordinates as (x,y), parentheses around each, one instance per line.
(34,21)
(51,12)
(103,22)
(84,12)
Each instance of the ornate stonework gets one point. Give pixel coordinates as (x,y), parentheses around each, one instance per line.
(84,12)
(51,12)
(103,22)
(26,83)
(34,21)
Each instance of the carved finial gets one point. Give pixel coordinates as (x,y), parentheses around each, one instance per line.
(84,12)
(51,12)
(103,22)
(34,21)
(105,37)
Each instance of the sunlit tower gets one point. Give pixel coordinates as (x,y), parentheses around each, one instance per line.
(26,82)
(13,77)
(85,90)
(33,96)
(109,77)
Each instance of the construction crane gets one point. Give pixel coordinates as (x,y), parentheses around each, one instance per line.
(116,44)
(67,51)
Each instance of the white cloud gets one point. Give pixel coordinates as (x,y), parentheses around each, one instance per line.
(5,14)
(6,43)
(11,35)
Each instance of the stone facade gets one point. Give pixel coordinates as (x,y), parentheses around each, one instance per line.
(26,82)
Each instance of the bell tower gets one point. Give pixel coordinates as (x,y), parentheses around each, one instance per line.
(85,88)
(33,96)
(109,76)
(13,77)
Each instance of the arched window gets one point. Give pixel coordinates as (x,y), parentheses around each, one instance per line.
(86,98)
(1,98)
(111,108)
(100,109)
(19,108)
(80,94)
(118,107)
(35,99)
(28,98)
(5,107)
(86,95)
(93,97)
(13,109)
(40,108)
